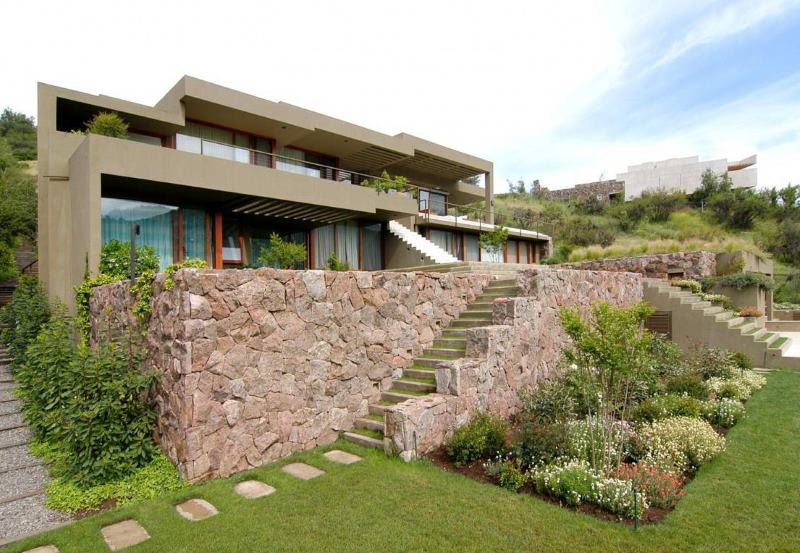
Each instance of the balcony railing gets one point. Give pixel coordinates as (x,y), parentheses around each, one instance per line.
(462,214)
(262,158)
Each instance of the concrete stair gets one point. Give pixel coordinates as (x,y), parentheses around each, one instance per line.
(701,321)
(419,379)
(421,244)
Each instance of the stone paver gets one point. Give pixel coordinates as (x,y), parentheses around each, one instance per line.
(43,549)
(253,489)
(22,482)
(342,457)
(15,436)
(12,420)
(302,471)
(124,534)
(6,395)
(196,509)
(17,457)
(8,407)
(6,386)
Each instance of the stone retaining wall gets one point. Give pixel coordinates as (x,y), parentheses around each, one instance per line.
(258,364)
(666,265)
(523,346)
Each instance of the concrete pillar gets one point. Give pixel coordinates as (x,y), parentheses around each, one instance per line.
(488,184)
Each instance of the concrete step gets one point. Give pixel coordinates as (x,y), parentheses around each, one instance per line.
(778,344)
(735,321)
(701,305)
(419,373)
(449,343)
(454,334)
(404,385)
(424,363)
(472,310)
(724,316)
(360,439)
(377,409)
(396,396)
(444,353)
(713,310)
(470,323)
(369,424)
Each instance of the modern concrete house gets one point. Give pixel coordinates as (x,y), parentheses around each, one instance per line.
(210,172)
(685,174)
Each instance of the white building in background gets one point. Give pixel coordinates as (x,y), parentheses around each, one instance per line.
(684,174)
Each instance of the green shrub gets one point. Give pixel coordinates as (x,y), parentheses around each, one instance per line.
(115,259)
(511,476)
(153,479)
(108,124)
(538,444)
(725,412)
(721,299)
(687,383)
(83,294)
(188,263)
(493,242)
(742,361)
(680,444)
(662,407)
(483,437)
(666,356)
(586,231)
(740,386)
(597,443)
(551,401)
(336,264)
(744,280)
(692,285)
(713,362)
(25,314)
(286,255)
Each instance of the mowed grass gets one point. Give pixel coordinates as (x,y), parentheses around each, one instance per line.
(748,499)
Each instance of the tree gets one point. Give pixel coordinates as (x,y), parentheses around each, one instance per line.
(17,209)
(108,124)
(284,254)
(19,130)
(738,208)
(494,242)
(789,196)
(711,184)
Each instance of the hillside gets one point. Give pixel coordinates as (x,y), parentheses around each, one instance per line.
(715,218)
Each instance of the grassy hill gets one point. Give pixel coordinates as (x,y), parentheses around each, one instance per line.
(716,218)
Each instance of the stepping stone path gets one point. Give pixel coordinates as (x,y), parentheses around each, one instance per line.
(342,457)
(124,534)
(43,549)
(23,477)
(253,489)
(196,509)
(420,378)
(302,471)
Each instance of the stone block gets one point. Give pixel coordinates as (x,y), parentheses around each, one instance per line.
(302,471)
(196,509)
(338,456)
(124,534)
(253,489)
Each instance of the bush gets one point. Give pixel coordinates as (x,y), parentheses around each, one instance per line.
(541,444)
(336,264)
(750,311)
(687,383)
(286,255)
(551,401)
(115,259)
(662,489)
(737,209)
(666,356)
(585,231)
(576,483)
(601,446)
(742,361)
(739,387)
(713,362)
(108,124)
(680,444)
(721,299)
(691,285)
(511,475)
(745,280)
(725,412)
(662,407)
(24,316)
(483,437)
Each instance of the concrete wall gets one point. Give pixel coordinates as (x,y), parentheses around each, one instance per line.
(258,364)
(522,346)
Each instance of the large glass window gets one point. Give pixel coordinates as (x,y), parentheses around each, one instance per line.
(305,163)
(347,243)
(324,244)
(512,251)
(231,241)
(194,233)
(432,202)
(216,142)
(523,252)
(372,248)
(155,222)
(472,248)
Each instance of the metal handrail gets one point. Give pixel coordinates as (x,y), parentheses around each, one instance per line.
(480,219)
(335,172)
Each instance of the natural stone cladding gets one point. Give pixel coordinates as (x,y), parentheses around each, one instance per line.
(521,347)
(257,364)
(665,265)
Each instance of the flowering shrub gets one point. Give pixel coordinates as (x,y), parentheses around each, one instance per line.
(511,476)
(662,488)
(662,407)
(577,483)
(680,444)
(752,380)
(721,299)
(687,383)
(687,284)
(751,311)
(538,444)
(730,388)
(589,437)
(551,401)
(709,362)
(725,412)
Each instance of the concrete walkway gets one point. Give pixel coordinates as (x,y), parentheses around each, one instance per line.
(794,347)
(22,476)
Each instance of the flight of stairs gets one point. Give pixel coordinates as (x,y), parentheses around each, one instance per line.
(718,327)
(421,244)
(420,378)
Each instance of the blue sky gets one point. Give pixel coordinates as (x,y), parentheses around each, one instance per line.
(560,91)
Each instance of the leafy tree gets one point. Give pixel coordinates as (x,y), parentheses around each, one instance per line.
(19,131)
(738,208)
(711,184)
(284,254)
(494,242)
(108,124)
(17,209)
(27,311)
(586,231)
(789,197)
(387,183)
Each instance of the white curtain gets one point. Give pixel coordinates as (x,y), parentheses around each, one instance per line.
(523,252)
(512,251)
(472,248)
(347,243)
(323,245)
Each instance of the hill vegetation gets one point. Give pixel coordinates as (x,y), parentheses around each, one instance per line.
(716,217)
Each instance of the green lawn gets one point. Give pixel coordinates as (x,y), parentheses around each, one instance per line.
(748,499)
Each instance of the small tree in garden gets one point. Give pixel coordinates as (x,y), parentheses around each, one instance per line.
(611,353)
(494,241)
(336,264)
(108,124)
(285,254)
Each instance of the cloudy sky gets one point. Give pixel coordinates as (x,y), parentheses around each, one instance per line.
(560,91)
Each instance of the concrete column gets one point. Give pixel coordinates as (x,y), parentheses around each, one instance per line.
(488,183)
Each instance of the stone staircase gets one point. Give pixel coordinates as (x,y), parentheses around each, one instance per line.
(420,378)
(697,320)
